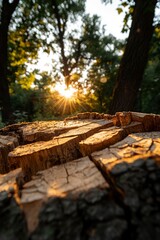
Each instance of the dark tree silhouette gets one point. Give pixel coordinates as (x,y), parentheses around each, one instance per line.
(7,11)
(135,57)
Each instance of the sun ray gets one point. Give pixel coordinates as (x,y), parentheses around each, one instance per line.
(67,99)
(64,91)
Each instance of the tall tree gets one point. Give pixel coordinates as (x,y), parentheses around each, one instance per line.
(135,57)
(75,47)
(7,10)
(63,17)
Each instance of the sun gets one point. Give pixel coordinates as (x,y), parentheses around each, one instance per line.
(66,100)
(65,92)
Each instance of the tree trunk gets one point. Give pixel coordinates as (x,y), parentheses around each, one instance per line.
(6,14)
(135,57)
(61,32)
(91,176)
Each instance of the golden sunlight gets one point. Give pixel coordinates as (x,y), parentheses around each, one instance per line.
(67,97)
(64,91)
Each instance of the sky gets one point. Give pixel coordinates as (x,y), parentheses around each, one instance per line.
(109,16)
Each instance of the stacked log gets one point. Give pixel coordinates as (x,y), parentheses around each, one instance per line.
(91,176)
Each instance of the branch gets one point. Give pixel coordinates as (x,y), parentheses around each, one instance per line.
(78,55)
(61,31)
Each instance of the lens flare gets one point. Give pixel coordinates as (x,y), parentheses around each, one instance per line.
(65,92)
(67,99)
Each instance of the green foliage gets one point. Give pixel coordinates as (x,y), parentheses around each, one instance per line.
(102,72)
(52,26)
(119,10)
(150,96)
(24,44)
(85,58)
(22,104)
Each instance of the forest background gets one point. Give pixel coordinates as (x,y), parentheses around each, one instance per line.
(89,70)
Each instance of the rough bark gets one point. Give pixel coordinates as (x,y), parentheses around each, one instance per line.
(110,190)
(135,57)
(5,18)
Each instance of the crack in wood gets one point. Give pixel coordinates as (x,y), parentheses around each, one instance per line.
(122,164)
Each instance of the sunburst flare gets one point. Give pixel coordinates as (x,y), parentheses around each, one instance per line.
(68,93)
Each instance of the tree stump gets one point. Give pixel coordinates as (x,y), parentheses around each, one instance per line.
(91,176)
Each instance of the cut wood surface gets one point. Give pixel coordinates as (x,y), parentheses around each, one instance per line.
(88,130)
(101,140)
(129,153)
(44,154)
(39,131)
(41,155)
(91,176)
(68,179)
